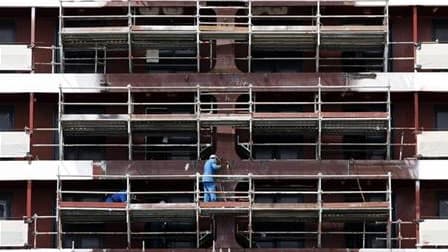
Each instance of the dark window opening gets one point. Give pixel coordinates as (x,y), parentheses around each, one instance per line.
(375,232)
(6,117)
(169,241)
(268,15)
(443,205)
(280,239)
(352,16)
(368,144)
(367,149)
(376,238)
(277,150)
(273,98)
(7,32)
(209,107)
(441,116)
(165,18)
(276,142)
(186,149)
(169,109)
(84,152)
(84,61)
(94,20)
(263,61)
(440,30)
(362,61)
(82,241)
(173,142)
(90,152)
(5,206)
(171,60)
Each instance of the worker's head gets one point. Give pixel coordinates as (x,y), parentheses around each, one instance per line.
(213,156)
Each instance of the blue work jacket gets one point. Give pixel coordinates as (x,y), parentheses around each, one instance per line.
(117,197)
(210,167)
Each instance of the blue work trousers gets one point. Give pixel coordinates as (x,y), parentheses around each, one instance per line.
(209,191)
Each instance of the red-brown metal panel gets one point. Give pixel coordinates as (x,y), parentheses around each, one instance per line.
(75,204)
(279,81)
(400,169)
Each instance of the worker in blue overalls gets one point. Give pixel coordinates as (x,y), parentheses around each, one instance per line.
(210,168)
(117,197)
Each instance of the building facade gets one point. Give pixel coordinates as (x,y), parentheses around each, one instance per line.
(328,117)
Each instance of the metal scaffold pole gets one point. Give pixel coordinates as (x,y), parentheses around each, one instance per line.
(198,122)
(319,123)
(251,201)
(197,202)
(319,203)
(61,49)
(318,36)
(389,124)
(364,233)
(129,122)
(389,199)
(129,36)
(250,122)
(60,132)
(249,46)
(96,59)
(198,45)
(337,207)
(386,43)
(105,60)
(58,212)
(128,217)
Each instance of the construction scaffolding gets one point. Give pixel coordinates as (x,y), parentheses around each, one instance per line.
(123,112)
(156,36)
(365,199)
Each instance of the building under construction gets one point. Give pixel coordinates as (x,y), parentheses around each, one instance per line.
(330,118)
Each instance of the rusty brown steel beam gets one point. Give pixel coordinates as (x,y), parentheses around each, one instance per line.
(180,3)
(235,250)
(259,80)
(400,169)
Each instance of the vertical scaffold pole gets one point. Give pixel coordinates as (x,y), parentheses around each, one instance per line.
(197,202)
(129,36)
(386,42)
(389,124)
(318,36)
(249,46)
(129,122)
(364,233)
(35,218)
(61,49)
(58,212)
(250,121)
(104,60)
(60,132)
(198,122)
(53,58)
(251,200)
(96,59)
(389,199)
(319,123)
(319,203)
(128,217)
(198,45)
